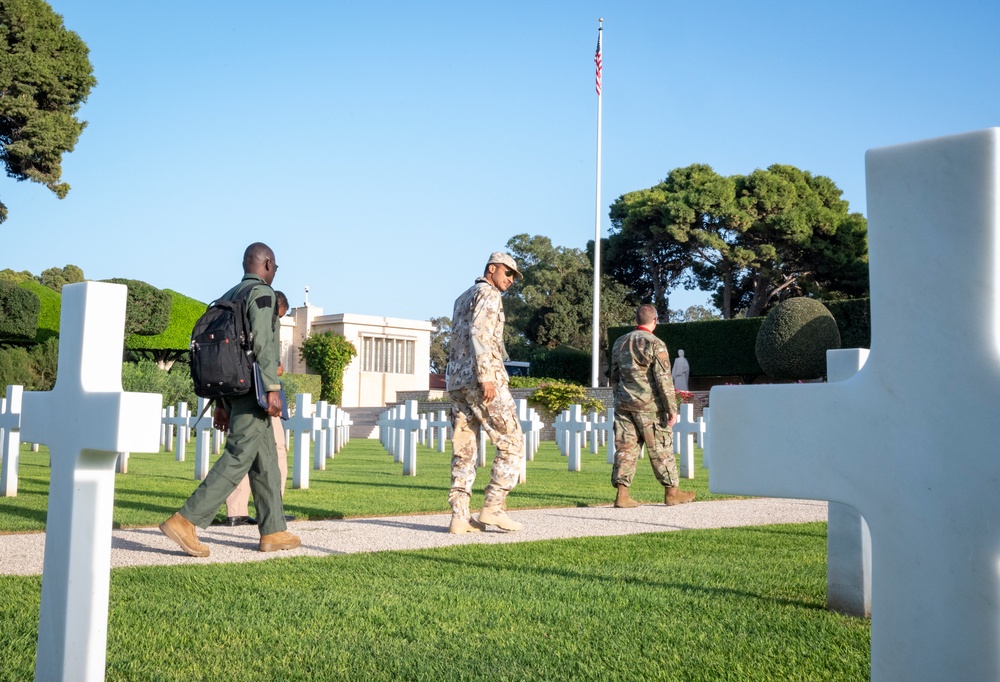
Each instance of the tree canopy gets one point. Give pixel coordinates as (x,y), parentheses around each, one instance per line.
(553,304)
(45,76)
(755,240)
(440,338)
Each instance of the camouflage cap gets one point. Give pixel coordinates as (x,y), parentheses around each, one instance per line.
(504,259)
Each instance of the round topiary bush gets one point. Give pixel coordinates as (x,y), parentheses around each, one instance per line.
(793,340)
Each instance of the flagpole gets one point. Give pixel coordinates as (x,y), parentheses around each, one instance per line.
(595,342)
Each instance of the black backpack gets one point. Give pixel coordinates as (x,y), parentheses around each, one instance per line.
(222,349)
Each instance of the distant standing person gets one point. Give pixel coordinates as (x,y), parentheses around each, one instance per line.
(480,399)
(238,503)
(645,410)
(681,372)
(250,445)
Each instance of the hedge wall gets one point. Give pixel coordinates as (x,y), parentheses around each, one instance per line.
(18,312)
(727,347)
(48,314)
(184,313)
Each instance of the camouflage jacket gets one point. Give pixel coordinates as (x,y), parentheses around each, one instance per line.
(477,353)
(640,374)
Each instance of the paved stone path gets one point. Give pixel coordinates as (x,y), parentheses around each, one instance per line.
(22,554)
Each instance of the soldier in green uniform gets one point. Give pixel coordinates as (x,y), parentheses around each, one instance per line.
(250,446)
(645,410)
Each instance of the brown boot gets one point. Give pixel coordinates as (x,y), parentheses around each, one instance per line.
(675,495)
(183,532)
(494,515)
(623,500)
(463,525)
(272,542)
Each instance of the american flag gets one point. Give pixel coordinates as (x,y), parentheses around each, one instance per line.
(597,60)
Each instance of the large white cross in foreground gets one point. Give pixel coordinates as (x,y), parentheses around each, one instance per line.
(878,441)
(86,420)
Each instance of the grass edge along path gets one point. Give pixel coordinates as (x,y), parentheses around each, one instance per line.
(711,605)
(361,481)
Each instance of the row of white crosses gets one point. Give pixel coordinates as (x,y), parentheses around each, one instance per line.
(326,424)
(399,433)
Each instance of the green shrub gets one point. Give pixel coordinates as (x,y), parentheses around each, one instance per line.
(147,309)
(328,355)
(49,311)
(18,312)
(174,385)
(794,338)
(556,396)
(532,382)
(301,383)
(15,369)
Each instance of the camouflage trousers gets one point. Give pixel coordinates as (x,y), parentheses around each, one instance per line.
(469,413)
(632,431)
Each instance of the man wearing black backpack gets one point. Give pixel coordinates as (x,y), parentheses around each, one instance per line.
(250,446)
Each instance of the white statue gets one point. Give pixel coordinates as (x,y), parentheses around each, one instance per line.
(680,372)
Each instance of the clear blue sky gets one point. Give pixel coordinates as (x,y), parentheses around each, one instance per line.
(384,149)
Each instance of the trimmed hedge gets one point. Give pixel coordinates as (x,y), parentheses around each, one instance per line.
(48,313)
(794,338)
(177,336)
(854,320)
(564,363)
(728,347)
(147,310)
(721,347)
(18,312)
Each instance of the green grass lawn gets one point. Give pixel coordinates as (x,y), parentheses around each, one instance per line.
(734,604)
(360,481)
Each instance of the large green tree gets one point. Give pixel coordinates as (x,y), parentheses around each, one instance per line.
(440,344)
(45,75)
(553,305)
(754,239)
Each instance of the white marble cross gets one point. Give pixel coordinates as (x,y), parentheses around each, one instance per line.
(10,447)
(481,452)
(168,428)
(180,420)
(85,420)
(880,442)
(440,424)
(848,540)
(602,432)
(301,425)
(706,430)
(410,423)
(576,427)
(321,434)
(684,431)
(202,422)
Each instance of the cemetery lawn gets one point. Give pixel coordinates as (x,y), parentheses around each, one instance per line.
(362,480)
(741,604)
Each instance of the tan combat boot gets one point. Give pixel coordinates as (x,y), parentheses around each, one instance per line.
(272,542)
(183,532)
(494,515)
(623,500)
(674,495)
(460,524)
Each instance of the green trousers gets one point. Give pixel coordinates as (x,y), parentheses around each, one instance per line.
(250,450)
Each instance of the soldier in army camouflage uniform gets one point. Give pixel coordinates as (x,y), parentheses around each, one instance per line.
(480,398)
(645,410)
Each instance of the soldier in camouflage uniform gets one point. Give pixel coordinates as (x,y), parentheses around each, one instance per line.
(481,399)
(645,410)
